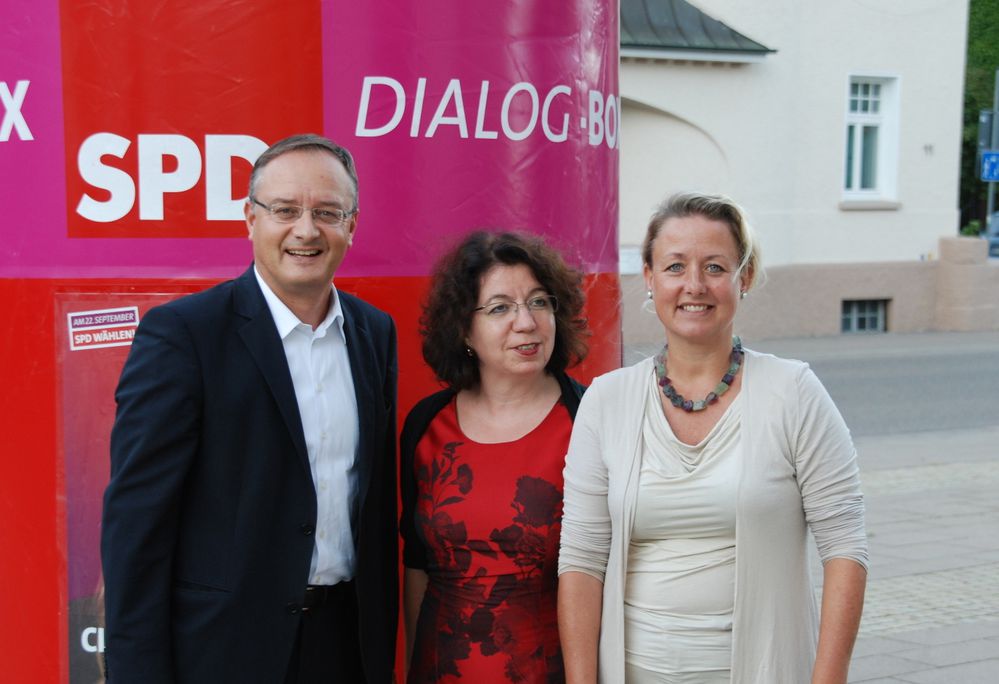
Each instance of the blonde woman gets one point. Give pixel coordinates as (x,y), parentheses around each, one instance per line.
(690,484)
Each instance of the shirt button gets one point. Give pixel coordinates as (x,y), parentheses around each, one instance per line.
(307,529)
(319,388)
(292,609)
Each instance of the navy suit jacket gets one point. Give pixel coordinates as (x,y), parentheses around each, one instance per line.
(207,532)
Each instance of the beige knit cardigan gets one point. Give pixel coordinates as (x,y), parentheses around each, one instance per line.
(798,470)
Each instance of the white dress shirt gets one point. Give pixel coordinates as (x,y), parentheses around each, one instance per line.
(324,388)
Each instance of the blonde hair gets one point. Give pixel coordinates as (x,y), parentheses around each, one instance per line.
(716,208)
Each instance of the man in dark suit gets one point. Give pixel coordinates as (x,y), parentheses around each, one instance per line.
(249,528)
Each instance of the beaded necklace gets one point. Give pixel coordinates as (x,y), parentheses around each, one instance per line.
(687,405)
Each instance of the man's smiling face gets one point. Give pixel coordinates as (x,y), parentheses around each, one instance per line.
(297,260)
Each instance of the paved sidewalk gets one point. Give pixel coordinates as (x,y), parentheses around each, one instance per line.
(932,609)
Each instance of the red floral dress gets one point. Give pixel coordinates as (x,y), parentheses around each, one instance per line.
(489,517)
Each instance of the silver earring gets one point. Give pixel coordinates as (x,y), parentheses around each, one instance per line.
(742,294)
(468,350)
(648,304)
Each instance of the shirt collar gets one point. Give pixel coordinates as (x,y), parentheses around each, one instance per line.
(286,321)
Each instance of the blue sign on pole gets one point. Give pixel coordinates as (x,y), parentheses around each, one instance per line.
(990,166)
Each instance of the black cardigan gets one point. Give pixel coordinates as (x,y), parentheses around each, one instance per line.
(416,424)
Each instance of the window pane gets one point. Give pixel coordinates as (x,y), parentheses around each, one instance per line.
(854,89)
(876,89)
(869,158)
(864,315)
(849,157)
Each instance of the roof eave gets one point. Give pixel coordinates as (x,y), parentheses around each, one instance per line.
(687,55)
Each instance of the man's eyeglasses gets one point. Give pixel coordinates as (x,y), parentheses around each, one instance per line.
(289,213)
(500,309)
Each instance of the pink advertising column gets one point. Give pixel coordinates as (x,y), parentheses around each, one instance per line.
(478,115)
(127,131)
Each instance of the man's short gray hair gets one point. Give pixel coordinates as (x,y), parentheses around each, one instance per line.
(303,141)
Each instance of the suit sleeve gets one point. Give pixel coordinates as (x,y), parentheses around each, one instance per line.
(389,451)
(387,513)
(153,443)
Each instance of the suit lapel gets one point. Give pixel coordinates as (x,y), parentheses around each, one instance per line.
(261,338)
(364,371)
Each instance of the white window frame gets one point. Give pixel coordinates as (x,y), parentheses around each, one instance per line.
(885,187)
(875,311)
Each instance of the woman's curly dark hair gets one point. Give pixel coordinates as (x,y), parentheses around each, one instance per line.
(454,294)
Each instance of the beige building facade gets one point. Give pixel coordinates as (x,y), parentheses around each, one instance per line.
(842,143)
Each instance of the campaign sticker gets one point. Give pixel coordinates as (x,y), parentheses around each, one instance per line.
(103,328)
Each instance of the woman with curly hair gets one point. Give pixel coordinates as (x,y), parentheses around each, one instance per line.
(482,463)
